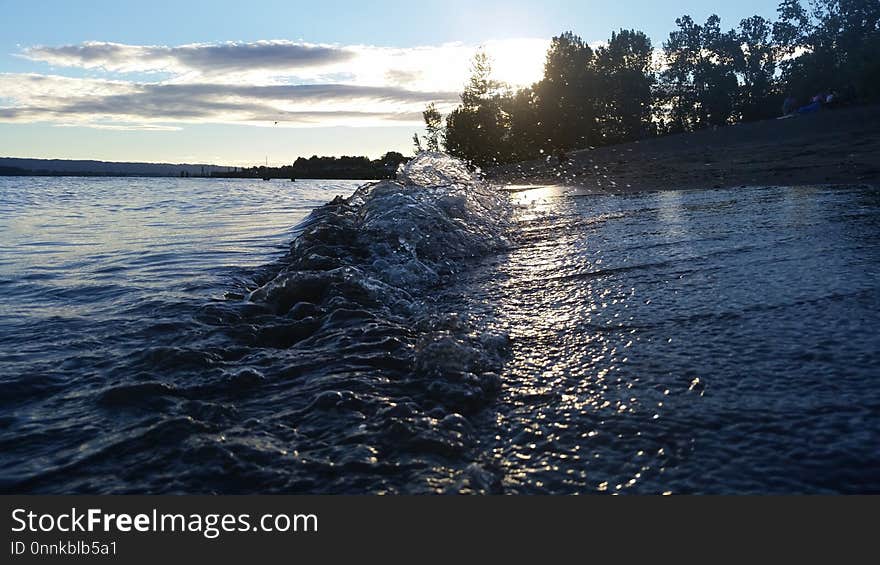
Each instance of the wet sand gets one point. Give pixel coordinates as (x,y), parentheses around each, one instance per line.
(839,146)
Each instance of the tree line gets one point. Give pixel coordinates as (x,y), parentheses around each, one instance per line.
(345,167)
(626,90)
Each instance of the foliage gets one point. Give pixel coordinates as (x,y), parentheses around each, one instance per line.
(315,167)
(706,76)
(434,126)
(477,129)
(567,95)
(757,68)
(699,85)
(835,45)
(626,77)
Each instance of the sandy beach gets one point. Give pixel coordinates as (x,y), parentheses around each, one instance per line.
(838,146)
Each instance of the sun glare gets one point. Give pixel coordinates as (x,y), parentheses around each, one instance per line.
(518,62)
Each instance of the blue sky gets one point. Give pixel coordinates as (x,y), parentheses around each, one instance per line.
(206,81)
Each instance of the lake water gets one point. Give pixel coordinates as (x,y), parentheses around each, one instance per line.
(161,335)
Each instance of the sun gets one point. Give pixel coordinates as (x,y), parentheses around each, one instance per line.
(518,62)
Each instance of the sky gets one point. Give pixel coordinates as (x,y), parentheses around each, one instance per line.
(237,83)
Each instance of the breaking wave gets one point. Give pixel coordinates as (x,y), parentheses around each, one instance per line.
(335,369)
(363,269)
(645,342)
(361,279)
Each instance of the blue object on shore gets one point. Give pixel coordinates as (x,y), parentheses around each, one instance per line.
(809,108)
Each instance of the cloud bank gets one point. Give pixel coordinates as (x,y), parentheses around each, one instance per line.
(72,101)
(207,59)
(293,83)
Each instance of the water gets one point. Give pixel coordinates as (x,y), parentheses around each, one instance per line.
(160,335)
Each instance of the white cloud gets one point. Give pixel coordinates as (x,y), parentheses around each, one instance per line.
(296,84)
(125,127)
(438,67)
(207,59)
(55,99)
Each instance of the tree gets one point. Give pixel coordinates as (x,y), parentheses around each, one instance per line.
(525,137)
(566,96)
(476,130)
(480,86)
(433,127)
(711,77)
(699,85)
(792,27)
(718,83)
(392,159)
(757,68)
(626,78)
(833,46)
(682,52)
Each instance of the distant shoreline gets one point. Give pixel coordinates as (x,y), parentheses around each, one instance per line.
(110,176)
(315,167)
(44,174)
(839,146)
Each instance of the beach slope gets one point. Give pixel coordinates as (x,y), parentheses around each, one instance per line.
(839,146)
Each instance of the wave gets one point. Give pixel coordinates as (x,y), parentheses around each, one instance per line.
(344,366)
(371,260)
(361,284)
(416,230)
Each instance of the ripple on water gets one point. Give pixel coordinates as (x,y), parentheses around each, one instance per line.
(423,335)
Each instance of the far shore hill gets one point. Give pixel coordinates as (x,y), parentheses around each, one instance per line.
(833,146)
(11,166)
(345,167)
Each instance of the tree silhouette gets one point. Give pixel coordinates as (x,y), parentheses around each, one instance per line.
(625,71)
(710,77)
(480,86)
(837,43)
(683,55)
(757,67)
(567,94)
(477,128)
(526,137)
(700,85)
(433,126)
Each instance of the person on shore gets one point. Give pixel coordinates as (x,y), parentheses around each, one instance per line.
(814,106)
(810,108)
(789,105)
(832,99)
